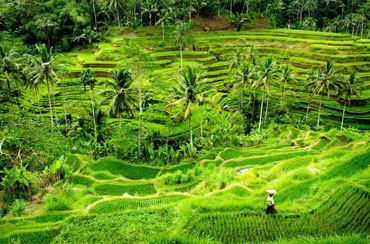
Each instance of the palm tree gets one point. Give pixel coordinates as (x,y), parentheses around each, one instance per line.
(350,87)
(116,4)
(286,78)
(236,59)
(190,89)
(150,7)
(267,73)
(239,21)
(243,75)
(119,92)
(325,80)
(88,78)
(309,86)
(310,6)
(165,18)
(9,67)
(43,68)
(183,36)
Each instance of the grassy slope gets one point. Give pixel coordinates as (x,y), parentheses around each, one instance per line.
(328,188)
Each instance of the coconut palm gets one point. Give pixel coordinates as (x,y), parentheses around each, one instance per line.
(350,87)
(267,72)
(165,18)
(326,80)
(243,75)
(43,68)
(310,6)
(191,88)
(116,5)
(236,59)
(120,94)
(9,67)
(149,7)
(183,36)
(88,78)
(285,78)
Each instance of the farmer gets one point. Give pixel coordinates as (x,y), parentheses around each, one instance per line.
(270,203)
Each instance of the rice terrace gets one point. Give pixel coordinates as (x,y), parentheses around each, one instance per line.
(185,121)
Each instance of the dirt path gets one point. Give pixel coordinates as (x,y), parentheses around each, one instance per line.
(218,157)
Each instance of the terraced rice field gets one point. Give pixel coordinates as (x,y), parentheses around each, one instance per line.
(302,49)
(322,180)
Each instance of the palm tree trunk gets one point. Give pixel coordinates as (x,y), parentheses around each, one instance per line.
(55,109)
(117,13)
(181,55)
(242,103)
(93,113)
(163,30)
(308,108)
(267,108)
(318,117)
(120,118)
(231,8)
(344,110)
(38,102)
(65,113)
(51,110)
(140,113)
(254,102)
(190,131)
(96,23)
(9,93)
(260,121)
(282,94)
(201,122)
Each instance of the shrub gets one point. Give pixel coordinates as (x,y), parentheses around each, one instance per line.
(62,199)
(18,207)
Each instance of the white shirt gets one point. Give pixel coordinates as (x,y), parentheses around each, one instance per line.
(270,201)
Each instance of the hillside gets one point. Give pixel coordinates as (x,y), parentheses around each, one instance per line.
(212,51)
(322,180)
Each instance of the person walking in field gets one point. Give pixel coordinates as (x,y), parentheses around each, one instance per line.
(270,202)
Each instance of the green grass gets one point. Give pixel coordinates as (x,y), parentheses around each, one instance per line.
(182,167)
(124,169)
(119,205)
(118,190)
(32,237)
(267,159)
(80,180)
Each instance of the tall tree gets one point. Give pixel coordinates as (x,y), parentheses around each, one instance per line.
(183,36)
(9,67)
(151,8)
(236,59)
(325,80)
(285,78)
(88,78)
(191,88)
(165,18)
(243,74)
(44,67)
(120,94)
(116,5)
(310,6)
(267,72)
(350,87)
